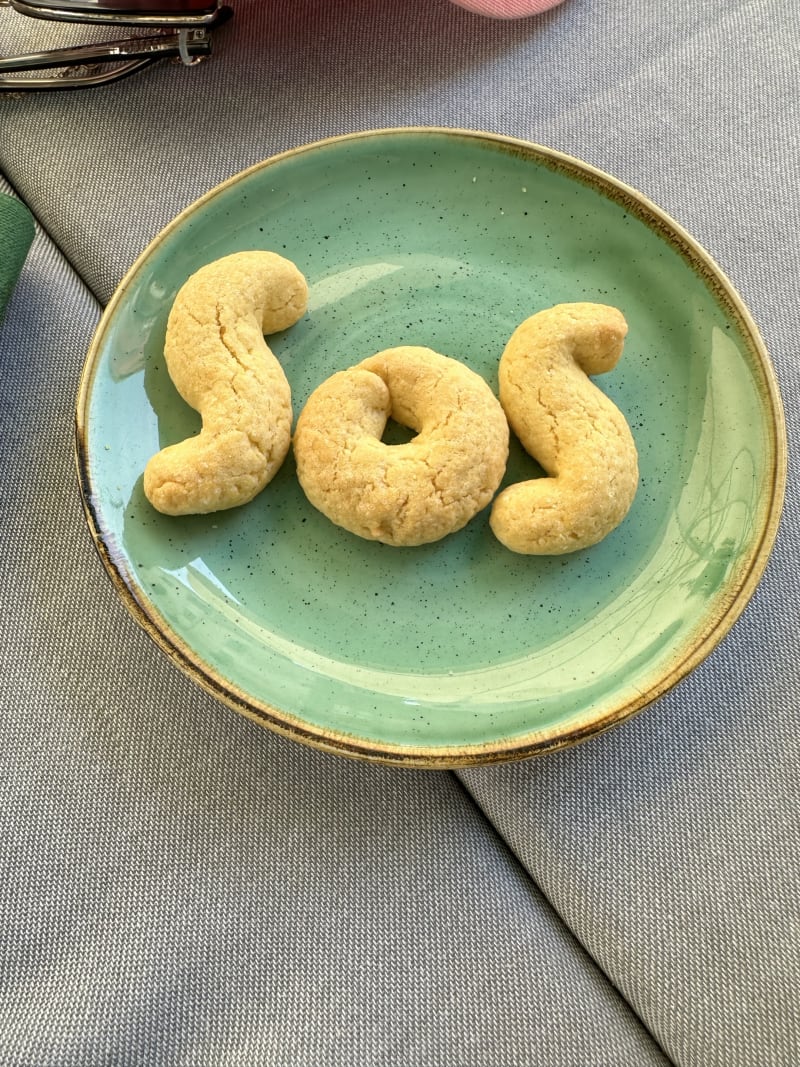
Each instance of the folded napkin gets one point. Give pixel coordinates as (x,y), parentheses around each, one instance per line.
(16,236)
(507,9)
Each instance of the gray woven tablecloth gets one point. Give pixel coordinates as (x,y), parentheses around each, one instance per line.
(181,887)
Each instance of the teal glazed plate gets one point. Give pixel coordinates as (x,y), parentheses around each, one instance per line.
(458,652)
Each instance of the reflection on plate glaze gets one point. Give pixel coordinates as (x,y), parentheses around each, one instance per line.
(129,350)
(344,283)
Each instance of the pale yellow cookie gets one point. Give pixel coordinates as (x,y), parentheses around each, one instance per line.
(411,493)
(221,365)
(580,438)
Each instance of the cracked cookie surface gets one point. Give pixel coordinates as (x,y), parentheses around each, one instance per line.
(405,494)
(577,434)
(221,365)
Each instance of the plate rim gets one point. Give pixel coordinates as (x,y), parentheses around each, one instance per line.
(535,742)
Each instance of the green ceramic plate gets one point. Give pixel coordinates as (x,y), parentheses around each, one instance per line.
(457,652)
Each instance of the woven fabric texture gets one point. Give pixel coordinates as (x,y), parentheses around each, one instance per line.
(177,886)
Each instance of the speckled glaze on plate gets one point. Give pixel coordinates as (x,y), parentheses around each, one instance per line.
(458,652)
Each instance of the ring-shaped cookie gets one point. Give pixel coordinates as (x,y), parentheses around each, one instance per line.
(411,493)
